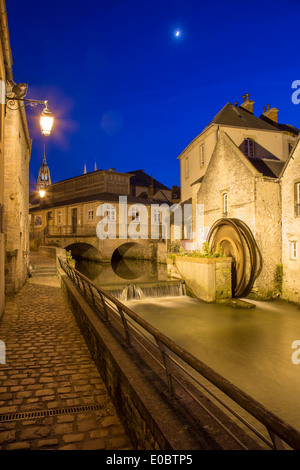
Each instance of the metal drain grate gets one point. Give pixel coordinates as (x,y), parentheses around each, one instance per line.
(5,418)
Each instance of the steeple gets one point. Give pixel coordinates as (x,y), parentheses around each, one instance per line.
(44,178)
(95,169)
(84,169)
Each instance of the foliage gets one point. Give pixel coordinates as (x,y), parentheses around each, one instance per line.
(175,247)
(69,256)
(278,278)
(204,253)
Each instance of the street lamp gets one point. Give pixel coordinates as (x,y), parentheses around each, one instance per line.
(41,190)
(46,119)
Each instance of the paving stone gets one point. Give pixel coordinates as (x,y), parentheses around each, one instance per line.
(73,437)
(18,446)
(34,432)
(63,428)
(47,443)
(65,419)
(69,447)
(95,444)
(7,436)
(38,333)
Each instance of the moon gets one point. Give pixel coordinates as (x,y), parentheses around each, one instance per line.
(177,33)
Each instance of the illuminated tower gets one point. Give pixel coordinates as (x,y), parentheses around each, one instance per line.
(44,178)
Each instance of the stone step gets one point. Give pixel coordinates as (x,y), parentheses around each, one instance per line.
(43,274)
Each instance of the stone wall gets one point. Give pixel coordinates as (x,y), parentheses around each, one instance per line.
(208,279)
(16,195)
(251,198)
(290,229)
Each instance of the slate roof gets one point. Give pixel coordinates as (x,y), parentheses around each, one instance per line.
(237,116)
(269,168)
(101,197)
(140,178)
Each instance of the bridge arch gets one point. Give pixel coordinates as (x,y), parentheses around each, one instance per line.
(123,260)
(85,251)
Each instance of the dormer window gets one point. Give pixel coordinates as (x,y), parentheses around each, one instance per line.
(249,147)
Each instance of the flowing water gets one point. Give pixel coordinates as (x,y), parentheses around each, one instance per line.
(250,347)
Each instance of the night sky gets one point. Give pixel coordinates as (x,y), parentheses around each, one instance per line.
(130,93)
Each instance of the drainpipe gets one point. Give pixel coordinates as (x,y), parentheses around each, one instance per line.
(5,41)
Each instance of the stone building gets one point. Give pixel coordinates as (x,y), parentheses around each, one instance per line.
(68,216)
(290,192)
(233,169)
(15,149)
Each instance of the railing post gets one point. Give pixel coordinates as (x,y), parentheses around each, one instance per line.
(168,367)
(92,295)
(126,328)
(278,444)
(104,306)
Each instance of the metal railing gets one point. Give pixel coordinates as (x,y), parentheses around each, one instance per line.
(177,362)
(63,230)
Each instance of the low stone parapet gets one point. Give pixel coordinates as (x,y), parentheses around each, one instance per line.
(208,279)
(53,252)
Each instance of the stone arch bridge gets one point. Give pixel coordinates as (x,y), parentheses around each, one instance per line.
(90,247)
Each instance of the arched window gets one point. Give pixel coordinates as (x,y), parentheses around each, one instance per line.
(249,147)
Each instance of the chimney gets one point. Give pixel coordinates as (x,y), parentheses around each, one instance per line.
(247,103)
(270,113)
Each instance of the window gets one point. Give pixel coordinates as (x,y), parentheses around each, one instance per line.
(202,155)
(111,214)
(187,167)
(135,213)
(225,205)
(249,147)
(90,214)
(59,217)
(294,250)
(156,215)
(297,199)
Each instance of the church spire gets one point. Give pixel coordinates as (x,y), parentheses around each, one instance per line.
(44,178)
(44,158)
(95,168)
(84,169)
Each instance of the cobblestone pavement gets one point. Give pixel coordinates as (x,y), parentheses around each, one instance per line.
(49,368)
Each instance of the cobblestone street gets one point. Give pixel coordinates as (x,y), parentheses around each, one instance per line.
(49,368)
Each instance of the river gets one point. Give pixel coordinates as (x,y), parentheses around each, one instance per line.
(250,347)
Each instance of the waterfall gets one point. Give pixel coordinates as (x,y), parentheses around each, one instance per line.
(132,292)
(147,290)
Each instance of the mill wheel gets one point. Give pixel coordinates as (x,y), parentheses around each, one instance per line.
(237,241)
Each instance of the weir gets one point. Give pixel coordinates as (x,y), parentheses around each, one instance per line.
(144,290)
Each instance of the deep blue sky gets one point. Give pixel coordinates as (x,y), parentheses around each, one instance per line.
(126,92)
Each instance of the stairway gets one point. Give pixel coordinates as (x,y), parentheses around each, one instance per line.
(43,271)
